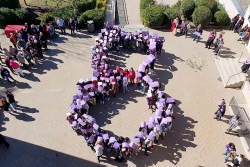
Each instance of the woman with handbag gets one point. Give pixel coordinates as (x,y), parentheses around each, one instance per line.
(71,24)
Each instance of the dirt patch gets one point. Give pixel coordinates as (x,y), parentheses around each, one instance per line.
(37,8)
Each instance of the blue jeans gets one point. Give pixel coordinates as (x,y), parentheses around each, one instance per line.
(125,88)
(14,105)
(241,33)
(226,158)
(196,37)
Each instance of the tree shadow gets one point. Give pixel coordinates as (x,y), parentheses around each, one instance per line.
(41,156)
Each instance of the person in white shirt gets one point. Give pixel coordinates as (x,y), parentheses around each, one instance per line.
(233,123)
(99,151)
(236,161)
(61,25)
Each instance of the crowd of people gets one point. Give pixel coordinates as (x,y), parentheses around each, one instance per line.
(212,41)
(108,82)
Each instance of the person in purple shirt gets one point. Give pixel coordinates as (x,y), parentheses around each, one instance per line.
(230,148)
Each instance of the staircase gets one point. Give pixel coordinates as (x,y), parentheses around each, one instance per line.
(228,67)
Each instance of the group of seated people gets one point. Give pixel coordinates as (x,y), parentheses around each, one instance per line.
(107,82)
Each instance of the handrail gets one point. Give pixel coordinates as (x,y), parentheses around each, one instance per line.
(240,57)
(234,75)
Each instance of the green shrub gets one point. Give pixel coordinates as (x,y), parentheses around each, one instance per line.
(22,15)
(171,13)
(98,16)
(202,15)
(43,18)
(220,7)
(169,16)
(187,7)
(152,16)
(210,4)
(7,16)
(12,4)
(221,18)
(81,6)
(101,4)
(144,4)
(64,13)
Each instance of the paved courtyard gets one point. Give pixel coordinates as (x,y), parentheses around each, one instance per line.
(40,135)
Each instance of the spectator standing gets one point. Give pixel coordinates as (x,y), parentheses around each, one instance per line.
(13,52)
(21,60)
(219,46)
(61,25)
(43,39)
(234,21)
(99,151)
(11,99)
(42,28)
(76,20)
(233,123)
(71,24)
(16,68)
(239,24)
(125,84)
(13,40)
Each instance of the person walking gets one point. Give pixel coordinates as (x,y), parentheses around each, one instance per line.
(220,104)
(219,46)
(3,141)
(233,123)
(16,68)
(230,149)
(61,25)
(11,99)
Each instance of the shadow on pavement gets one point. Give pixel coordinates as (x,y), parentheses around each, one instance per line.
(25,154)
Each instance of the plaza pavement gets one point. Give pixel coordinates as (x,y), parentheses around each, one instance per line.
(40,135)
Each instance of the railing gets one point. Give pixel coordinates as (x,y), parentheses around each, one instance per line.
(113,8)
(241,112)
(235,75)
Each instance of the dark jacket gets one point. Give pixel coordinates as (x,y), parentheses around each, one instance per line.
(11,98)
(199,30)
(42,28)
(4,72)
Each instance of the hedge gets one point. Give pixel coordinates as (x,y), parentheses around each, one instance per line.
(152,16)
(97,15)
(22,15)
(13,16)
(202,15)
(221,18)
(187,7)
(101,4)
(171,13)
(210,4)
(12,4)
(64,13)
(145,3)
(81,6)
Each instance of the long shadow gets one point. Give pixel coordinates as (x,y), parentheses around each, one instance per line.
(19,154)
(18,84)
(26,109)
